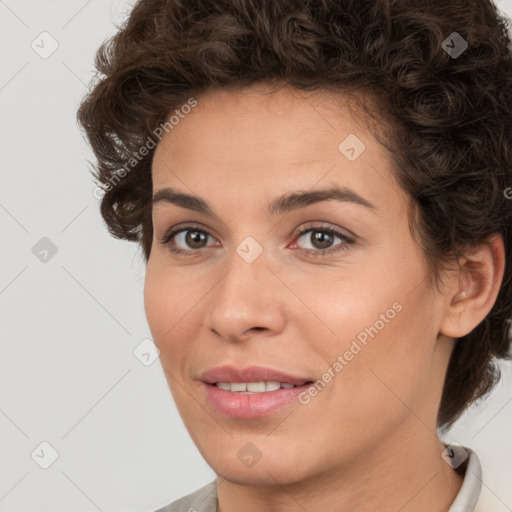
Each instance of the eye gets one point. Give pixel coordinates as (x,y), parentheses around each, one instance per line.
(322,238)
(181,239)
(189,240)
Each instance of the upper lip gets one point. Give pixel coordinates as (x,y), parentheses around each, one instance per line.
(250,374)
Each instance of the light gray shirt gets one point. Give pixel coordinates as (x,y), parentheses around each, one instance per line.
(467,500)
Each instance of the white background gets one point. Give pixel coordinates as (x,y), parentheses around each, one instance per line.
(69,325)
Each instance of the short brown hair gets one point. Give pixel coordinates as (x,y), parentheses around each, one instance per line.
(450,115)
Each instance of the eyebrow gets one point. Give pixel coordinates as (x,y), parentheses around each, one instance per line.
(285,203)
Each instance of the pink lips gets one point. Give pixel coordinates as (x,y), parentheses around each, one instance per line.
(249,374)
(239,405)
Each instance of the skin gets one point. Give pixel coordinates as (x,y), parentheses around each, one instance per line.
(368,440)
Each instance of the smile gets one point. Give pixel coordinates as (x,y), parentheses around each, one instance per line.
(253,387)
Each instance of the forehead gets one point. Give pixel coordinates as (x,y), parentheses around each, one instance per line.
(273,139)
(275,120)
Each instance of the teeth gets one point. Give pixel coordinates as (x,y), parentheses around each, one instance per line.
(253,387)
(238,386)
(272,386)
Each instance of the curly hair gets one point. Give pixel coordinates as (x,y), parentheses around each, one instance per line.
(447,108)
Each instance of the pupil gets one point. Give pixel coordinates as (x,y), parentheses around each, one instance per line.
(323,238)
(194,237)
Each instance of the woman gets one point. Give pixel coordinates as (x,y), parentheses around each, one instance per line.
(322,193)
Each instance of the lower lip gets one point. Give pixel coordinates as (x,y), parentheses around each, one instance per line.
(240,405)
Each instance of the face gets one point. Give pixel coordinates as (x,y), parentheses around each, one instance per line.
(293,264)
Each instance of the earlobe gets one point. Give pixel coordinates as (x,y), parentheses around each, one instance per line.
(474,292)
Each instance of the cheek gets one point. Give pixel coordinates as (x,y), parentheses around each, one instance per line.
(173,308)
(154,302)
(383,362)
(161,304)
(376,334)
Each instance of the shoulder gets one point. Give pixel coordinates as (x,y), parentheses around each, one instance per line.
(202,500)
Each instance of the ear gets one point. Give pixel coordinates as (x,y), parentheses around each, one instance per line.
(475,287)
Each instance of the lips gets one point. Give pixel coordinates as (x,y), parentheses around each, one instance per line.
(251,374)
(221,388)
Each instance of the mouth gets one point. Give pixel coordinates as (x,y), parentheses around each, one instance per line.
(251,392)
(251,388)
(238,402)
(251,375)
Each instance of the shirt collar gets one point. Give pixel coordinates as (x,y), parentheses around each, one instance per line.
(467,498)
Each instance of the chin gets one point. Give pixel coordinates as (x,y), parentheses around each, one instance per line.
(269,469)
(265,475)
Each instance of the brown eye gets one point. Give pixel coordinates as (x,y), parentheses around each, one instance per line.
(187,240)
(320,238)
(195,239)
(322,241)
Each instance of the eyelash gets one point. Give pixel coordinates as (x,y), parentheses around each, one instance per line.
(347,242)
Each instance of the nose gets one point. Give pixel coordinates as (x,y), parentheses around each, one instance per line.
(246,302)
